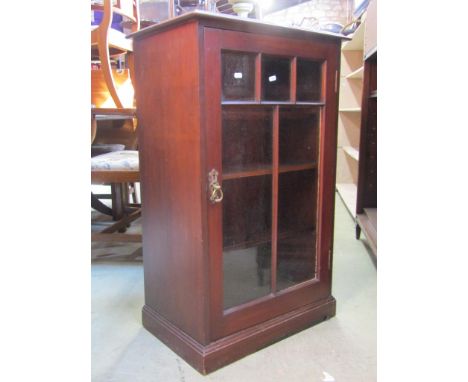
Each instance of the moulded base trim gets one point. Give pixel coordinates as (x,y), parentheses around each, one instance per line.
(208,358)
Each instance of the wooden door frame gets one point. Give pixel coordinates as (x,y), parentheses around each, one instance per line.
(225,322)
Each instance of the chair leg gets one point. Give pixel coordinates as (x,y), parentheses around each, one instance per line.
(100,206)
(358,231)
(117,201)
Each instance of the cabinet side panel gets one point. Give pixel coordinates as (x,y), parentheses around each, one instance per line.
(167,94)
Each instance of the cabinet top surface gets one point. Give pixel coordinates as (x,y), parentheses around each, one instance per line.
(229,22)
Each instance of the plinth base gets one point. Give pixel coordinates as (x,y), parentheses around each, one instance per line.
(208,358)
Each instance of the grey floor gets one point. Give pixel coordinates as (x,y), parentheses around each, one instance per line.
(342,349)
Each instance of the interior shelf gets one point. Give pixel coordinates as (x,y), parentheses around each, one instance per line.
(244,173)
(352,152)
(289,103)
(296,167)
(266,238)
(233,174)
(357,74)
(351,110)
(348,193)
(357,42)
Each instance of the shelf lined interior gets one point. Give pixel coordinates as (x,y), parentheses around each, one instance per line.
(298,136)
(254,195)
(297,210)
(238,76)
(277,83)
(247,223)
(276,78)
(247,139)
(309,80)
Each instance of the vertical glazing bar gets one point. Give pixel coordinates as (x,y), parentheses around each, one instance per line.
(293,79)
(258,77)
(274,202)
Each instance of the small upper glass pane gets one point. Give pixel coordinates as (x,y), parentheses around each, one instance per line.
(276,78)
(238,76)
(309,80)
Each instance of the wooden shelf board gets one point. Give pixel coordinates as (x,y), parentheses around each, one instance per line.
(357,42)
(269,103)
(348,193)
(357,74)
(266,238)
(352,152)
(236,174)
(350,110)
(244,173)
(296,167)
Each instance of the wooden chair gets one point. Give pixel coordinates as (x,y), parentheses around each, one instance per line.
(117,168)
(107,42)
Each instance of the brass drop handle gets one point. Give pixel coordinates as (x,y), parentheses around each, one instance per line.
(216,193)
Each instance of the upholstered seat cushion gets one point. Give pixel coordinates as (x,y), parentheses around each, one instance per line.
(125,160)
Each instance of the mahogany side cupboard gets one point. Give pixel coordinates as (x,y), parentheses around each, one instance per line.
(237,132)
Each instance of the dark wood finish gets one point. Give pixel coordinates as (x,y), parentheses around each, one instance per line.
(294,80)
(186,130)
(100,206)
(274,208)
(366,202)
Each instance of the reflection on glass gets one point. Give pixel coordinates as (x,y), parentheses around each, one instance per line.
(247,138)
(298,135)
(238,76)
(296,251)
(276,72)
(297,195)
(309,80)
(246,238)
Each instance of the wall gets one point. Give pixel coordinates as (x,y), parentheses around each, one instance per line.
(324,10)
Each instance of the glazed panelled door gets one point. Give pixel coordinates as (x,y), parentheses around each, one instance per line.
(265,113)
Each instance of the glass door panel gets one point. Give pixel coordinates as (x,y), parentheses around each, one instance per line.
(296,257)
(246,207)
(247,140)
(276,78)
(298,136)
(246,239)
(309,80)
(238,76)
(297,195)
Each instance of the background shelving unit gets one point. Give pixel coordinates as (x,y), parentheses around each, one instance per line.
(349,120)
(357,74)
(356,176)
